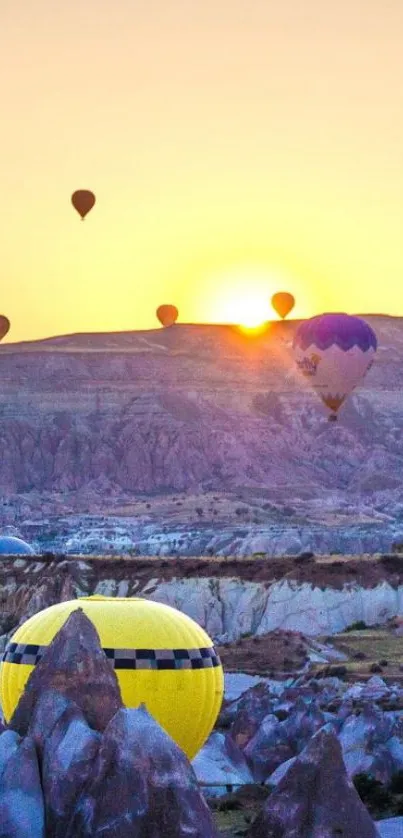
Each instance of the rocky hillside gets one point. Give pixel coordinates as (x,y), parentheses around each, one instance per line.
(202,430)
(230,599)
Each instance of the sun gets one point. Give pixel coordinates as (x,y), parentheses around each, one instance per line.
(242,297)
(249,311)
(245,310)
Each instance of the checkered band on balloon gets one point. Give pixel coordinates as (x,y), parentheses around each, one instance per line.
(199,658)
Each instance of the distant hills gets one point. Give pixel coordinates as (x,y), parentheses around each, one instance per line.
(93,420)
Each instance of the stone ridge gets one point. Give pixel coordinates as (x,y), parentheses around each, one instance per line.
(228,598)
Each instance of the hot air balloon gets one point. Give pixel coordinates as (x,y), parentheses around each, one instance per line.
(83,201)
(12,546)
(167,315)
(160,656)
(4,326)
(334,352)
(283,303)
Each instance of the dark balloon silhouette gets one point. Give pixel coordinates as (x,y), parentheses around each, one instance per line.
(83,201)
(167,315)
(4,326)
(283,303)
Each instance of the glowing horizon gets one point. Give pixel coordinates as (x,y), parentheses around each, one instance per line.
(221,140)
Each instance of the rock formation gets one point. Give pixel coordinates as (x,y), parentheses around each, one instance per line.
(229,598)
(74,763)
(74,665)
(89,423)
(271,728)
(22,812)
(67,747)
(141,785)
(315,799)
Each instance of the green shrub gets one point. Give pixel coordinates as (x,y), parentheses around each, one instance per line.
(396,783)
(358,626)
(375,796)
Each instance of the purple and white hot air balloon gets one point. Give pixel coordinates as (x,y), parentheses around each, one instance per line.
(334,352)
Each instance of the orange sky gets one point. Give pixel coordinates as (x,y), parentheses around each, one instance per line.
(236,147)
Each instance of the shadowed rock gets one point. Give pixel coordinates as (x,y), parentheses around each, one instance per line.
(267,749)
(303,722)
(276,742)
(218,764)
(253,706)
(67,748)
(21,803)
(75,665)
(371,744)
(9,744)
(315,798)
(142,786)
(371,740)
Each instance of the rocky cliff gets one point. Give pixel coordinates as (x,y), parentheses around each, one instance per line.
(229,599)
(201,430)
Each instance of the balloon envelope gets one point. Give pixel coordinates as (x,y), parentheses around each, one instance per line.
(12,546)
(83,201)
(334,352)
(160,656)
(167,314)
(4,326)
(283,303)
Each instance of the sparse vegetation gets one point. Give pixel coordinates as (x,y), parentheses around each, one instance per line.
(358,626)
(382,801)
(235,812)
(372,793)
(270,654)
(369,651)
(288,511)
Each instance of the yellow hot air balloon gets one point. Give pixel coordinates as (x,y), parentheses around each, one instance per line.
(160,655)
(167,314)
(283,303)
(4,326)
(83,201)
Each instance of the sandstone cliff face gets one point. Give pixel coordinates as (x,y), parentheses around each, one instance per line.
(228,599)
(190,407)
(88,423)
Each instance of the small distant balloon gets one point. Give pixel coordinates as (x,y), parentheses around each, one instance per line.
(283,303)
(4,326)
(334,352)
(83,201)
(167,315)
